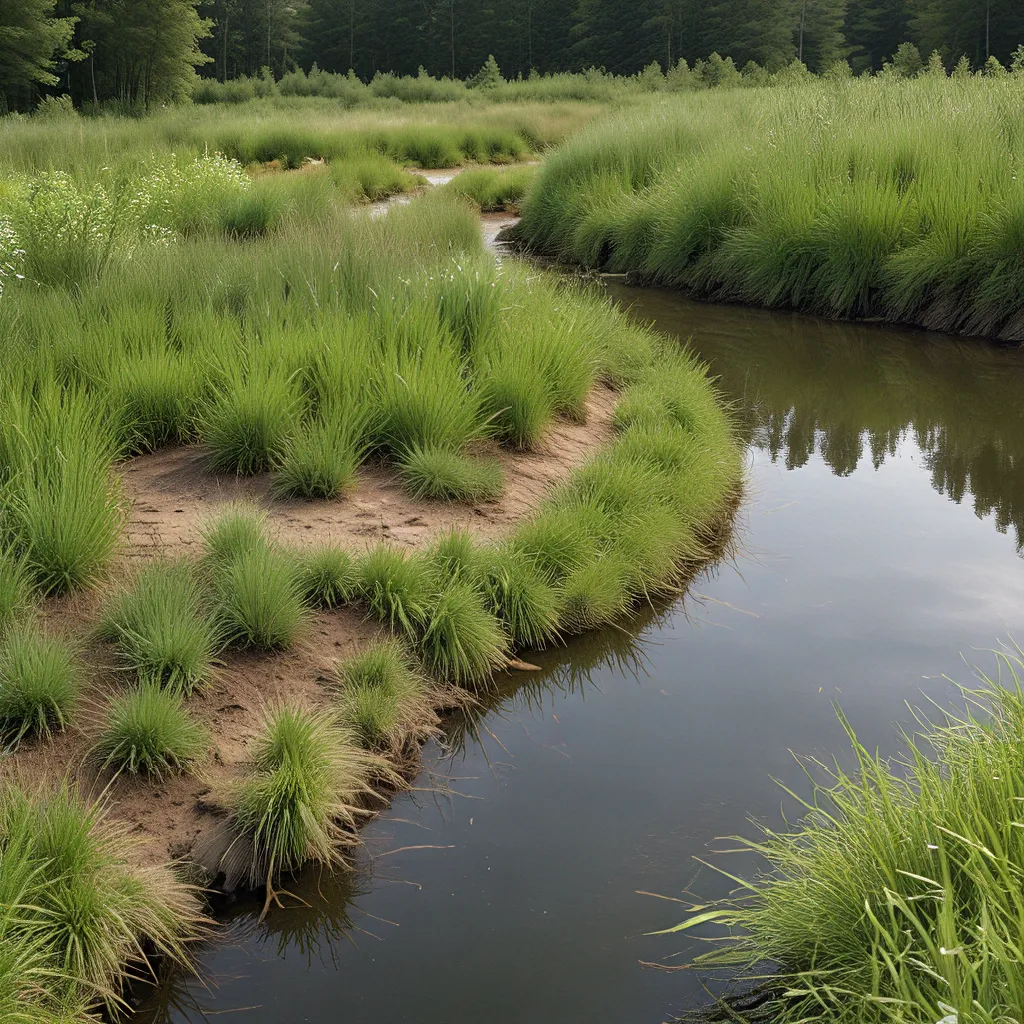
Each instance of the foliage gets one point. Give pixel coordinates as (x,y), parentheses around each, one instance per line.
(39,683)
(148,731)
(434,472)
(162,627)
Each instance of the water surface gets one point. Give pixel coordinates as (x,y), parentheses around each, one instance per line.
(880,538)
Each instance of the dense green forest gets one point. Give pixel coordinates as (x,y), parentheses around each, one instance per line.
(146,51)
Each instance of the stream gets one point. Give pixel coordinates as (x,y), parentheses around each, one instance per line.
(878,550)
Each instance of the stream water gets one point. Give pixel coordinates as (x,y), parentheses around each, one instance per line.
(880,540)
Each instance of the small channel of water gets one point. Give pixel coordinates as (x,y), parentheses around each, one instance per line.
(881,537)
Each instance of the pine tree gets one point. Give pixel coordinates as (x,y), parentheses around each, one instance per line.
(31,39)
(820,38)
(874,29)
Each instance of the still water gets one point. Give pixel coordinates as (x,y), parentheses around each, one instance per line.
(880,540)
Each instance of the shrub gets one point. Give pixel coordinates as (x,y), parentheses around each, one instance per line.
(163,627)
(300,801)
(149,732)
(326,576)
(383,698)
(39,683)
(439,473)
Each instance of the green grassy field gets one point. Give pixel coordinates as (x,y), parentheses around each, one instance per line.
(899,200)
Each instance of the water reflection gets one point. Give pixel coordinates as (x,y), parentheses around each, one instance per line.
(846,392)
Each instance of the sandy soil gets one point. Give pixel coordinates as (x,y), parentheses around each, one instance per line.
(170,495)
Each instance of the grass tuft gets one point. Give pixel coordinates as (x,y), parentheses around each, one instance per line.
(383,698)
(446,475)
(163,628)
(149,732)
(462,641)
(239,529)
(300,801)
(326,576)
(259,600)
(397,588)
(39,685)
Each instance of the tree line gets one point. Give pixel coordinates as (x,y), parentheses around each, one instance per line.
(139,52)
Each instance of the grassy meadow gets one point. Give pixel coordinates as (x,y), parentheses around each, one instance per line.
(198,283)
(899,200)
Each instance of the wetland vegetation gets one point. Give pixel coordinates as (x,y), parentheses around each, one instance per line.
(290,477)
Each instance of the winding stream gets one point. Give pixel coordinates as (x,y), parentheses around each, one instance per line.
(881,537)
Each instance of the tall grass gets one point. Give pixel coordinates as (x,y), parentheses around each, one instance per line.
(163,628)
(85,915)
(301,799)
(898,896)
(836,198)
(39,683)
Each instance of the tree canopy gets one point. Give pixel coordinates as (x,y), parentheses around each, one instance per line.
(140,52)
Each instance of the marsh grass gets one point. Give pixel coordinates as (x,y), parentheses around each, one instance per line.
(259,600)
(491,189)
(897,896)
(304,794)
(384,698)
(240,528)
(397,588)
(163,628)
(60,508)
(248,423)
(320,459)
(15,587)
(326,576)
(39,683)
(148,731)
(445,475)
(860,211)
(97,918)
(462,641)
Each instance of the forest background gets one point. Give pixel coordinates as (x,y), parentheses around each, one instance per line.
(140,52)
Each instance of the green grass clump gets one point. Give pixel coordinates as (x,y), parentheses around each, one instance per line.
(39,684)
(442,474)
(383,698)
(163,627)
(462,640)
(58,504)
(397,587)
(149,732)
(492,189)
(300,801)
(320,459)
(897,897)
(259,600)
(96,918)
(15,587)
(522,599)
(326,576)
(242,527)
(247,424)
